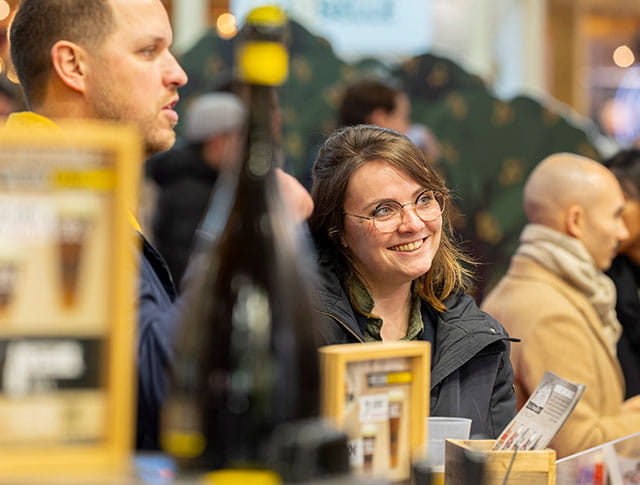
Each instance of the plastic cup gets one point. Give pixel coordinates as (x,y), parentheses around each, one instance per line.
(440,429)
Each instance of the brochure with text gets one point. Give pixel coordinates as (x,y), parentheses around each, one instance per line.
(542,415)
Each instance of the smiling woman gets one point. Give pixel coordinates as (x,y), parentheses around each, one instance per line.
(391,271)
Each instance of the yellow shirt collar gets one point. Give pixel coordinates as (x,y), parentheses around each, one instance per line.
(29,119)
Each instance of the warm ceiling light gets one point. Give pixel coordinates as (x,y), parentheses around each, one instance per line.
(623,56)
(5,9)
(226,25)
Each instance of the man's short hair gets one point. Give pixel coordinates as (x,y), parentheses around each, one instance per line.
(363,97)
(39,24)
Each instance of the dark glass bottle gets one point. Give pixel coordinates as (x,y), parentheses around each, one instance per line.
(246,358)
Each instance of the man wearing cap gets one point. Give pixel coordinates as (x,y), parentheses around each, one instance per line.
(212,140)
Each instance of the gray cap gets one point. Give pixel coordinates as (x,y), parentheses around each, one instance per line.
(213,113)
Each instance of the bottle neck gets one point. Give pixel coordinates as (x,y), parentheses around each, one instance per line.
(259,157)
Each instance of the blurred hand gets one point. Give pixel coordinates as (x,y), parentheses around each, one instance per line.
(295,196)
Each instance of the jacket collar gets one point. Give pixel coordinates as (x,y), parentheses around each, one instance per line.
(462,331)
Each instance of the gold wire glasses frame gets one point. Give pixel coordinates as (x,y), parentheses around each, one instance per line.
(389,215)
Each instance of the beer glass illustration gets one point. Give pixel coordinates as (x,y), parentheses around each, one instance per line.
(395,417)
(369,432)
(76,213)
(9,264)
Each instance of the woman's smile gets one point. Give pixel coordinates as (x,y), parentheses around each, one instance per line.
(408,247)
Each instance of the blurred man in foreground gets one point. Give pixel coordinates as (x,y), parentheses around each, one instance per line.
(111,60)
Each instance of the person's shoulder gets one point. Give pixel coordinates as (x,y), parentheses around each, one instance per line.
(338,323)
(460,305)
(537,306)
(463,310)
(165,167)
(527,285)
(464,318)
(330,288)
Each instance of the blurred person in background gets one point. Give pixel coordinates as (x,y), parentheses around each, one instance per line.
(372,101)
(557,299)
(185,175)
(625,269)
(110,60)
(391,271)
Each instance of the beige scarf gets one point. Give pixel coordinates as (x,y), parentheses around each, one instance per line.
(567,258)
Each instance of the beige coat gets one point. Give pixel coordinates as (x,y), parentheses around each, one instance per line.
(561,332)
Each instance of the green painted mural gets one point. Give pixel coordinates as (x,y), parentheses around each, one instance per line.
(488,145)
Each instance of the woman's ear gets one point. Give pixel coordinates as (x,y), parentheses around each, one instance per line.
(68,61)
(574,221)
(336,237)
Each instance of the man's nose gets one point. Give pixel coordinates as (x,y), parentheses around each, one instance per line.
(174,74)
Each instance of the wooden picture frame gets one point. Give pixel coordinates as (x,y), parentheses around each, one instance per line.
(67,321)
(378,393)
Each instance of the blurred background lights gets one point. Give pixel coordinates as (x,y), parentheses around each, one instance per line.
(623,56)
(226,25)
(5,9)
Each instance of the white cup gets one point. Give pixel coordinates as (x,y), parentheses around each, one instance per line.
(438,430)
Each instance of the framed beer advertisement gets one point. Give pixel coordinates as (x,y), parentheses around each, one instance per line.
(67,298)
(378,393)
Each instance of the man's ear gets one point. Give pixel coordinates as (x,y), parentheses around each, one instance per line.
(574,221)
(68,61)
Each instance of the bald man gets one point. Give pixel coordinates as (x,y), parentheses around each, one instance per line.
(556,298)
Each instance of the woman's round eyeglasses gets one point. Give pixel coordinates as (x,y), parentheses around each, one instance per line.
(389,215)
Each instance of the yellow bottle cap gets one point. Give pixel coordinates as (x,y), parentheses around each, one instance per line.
(263,63)
(267,15)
